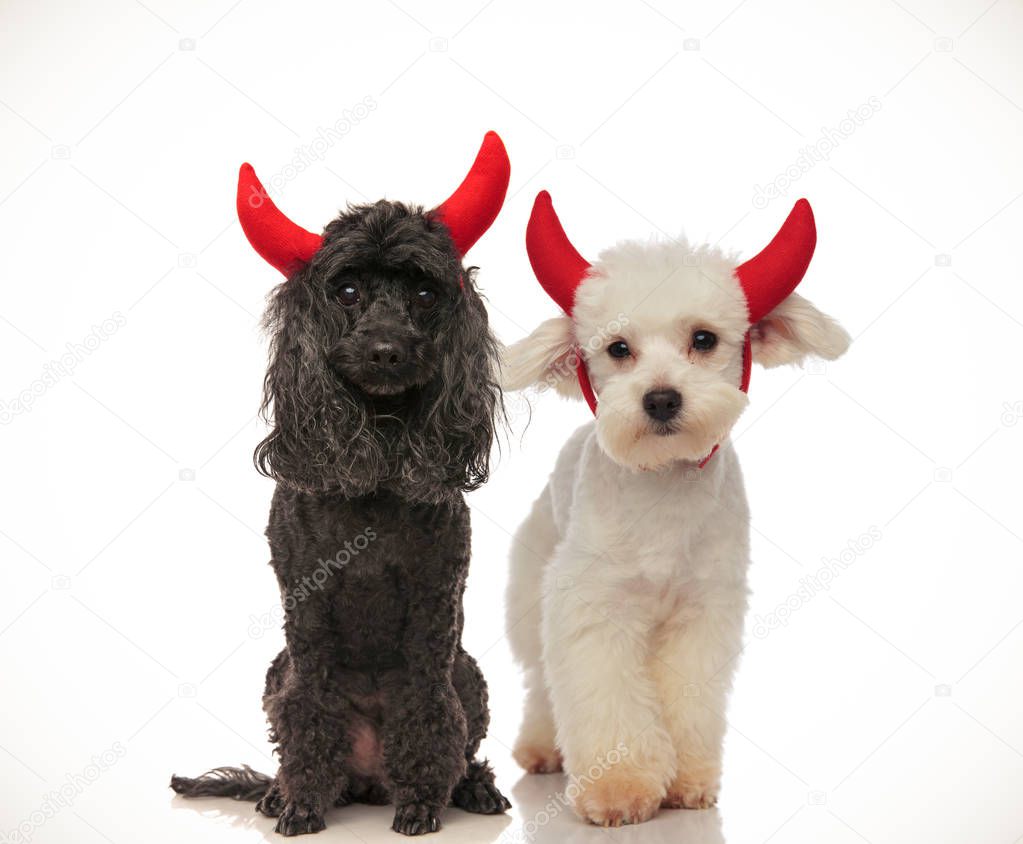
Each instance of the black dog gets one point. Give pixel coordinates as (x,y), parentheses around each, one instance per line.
(383,396)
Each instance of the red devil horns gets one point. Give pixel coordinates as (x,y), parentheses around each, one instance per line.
(474,205)
(770,276)
(467,213)
(766,279)
(282,244)
(556,264)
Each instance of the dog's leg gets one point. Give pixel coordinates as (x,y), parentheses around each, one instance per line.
(693,666)
(618,754)
(424,734)
(312,739)
(476,791)
(535,748)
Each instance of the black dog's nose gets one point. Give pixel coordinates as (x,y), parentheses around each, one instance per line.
(662,405)
(387,353)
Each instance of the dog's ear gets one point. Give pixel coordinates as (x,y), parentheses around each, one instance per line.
(795,330)
(548,357)
(317,440)
(454,437)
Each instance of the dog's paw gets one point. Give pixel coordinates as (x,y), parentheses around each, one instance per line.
(538,758)
(299,819)
(271,803)
(622,795)
(692,792)
(481,798)
(415,819)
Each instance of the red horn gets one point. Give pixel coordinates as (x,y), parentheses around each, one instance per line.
(556,264)
(470,210)
(281,243)
(769,277)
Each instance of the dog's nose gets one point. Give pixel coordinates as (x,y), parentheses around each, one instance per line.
(387,353)
(662,405)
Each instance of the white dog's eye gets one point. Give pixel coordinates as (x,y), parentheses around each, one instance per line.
(704,341)
(619,349)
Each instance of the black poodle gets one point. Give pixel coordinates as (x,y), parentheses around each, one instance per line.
(383,395)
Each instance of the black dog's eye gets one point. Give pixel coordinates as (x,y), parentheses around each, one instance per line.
(704,341)
(348,295)
(619,349)
(426,298)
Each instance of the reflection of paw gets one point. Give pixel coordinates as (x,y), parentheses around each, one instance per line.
(690,791)
(299,819)
(538,758)
(415,819)
(271,803)
(622,795)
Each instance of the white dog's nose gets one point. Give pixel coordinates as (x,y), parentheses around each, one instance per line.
(662,405)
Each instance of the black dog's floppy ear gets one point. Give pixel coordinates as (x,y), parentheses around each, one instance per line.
(462,414)
(313,445)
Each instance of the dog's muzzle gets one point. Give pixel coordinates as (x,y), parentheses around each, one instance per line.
(383,366)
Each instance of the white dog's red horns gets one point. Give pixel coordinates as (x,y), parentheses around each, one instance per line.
(766,279)
(556,264)
(771,275)
(467,213)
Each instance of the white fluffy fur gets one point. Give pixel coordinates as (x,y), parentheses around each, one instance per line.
(628,588)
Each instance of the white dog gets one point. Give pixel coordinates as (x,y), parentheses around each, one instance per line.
(628,579)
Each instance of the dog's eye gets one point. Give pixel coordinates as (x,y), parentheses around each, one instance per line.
(426,298)
(619,349)
(348,295)
(704,341)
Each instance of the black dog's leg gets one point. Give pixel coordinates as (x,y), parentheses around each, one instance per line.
(476,791)
(424,734)
(308,721)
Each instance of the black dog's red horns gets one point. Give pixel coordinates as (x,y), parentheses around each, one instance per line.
(474,205)
(467,213)
(280,242)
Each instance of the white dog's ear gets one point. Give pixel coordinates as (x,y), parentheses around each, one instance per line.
(794,331)
(546,357)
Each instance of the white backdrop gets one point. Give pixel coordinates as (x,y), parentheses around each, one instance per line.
(133,639)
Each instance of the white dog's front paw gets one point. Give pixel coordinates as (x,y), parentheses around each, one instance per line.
(623,794)
(536,757)
(693,790)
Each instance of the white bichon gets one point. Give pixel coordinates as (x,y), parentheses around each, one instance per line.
(628,591)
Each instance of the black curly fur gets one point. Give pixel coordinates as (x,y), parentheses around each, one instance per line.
(373,699)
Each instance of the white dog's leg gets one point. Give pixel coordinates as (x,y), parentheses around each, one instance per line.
(693,664)
(535,749)
(617,752)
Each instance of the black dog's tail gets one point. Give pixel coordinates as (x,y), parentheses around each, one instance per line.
(240,783)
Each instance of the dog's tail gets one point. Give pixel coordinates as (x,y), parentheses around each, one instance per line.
(240,783)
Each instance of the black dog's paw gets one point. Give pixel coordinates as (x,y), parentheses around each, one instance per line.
(415,819)
(271,803)
(297,819)
(483,798)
